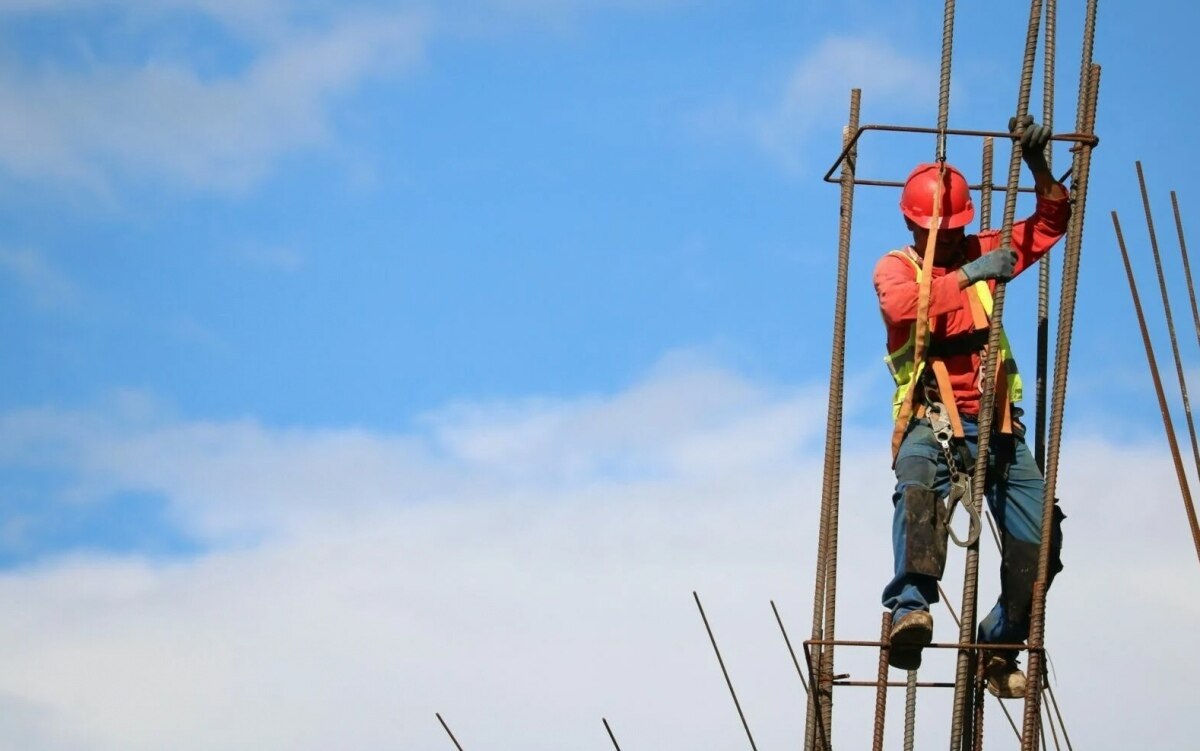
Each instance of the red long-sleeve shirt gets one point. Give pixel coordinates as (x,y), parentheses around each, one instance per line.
(949,310)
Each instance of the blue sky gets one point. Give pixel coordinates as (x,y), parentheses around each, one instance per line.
(475,291)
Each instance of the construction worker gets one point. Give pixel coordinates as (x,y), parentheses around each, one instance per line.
(940,397)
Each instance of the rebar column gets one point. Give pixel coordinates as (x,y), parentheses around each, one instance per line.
(1043,313)
(1062,351)
(944,79)
(820,697)
(963,673)
(881,686)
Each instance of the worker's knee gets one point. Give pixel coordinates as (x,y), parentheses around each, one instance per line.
(924,532)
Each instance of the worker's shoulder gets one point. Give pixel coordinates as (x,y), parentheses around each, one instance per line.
(897,261)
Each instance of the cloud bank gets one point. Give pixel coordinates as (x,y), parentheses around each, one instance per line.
(524,569)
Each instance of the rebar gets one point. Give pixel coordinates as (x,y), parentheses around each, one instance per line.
(611,737)
(881,681)
(1158,388)
(1162,284)
(724,672)
(1061,723)
(963,671)
(825,592)
(944,81)
(1187,267)
(1081,169)
(788,642)
(986,185)
(910,711)
(448,732)
(1050,720)
(1043,312)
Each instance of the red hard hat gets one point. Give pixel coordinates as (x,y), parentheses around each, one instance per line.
(917,199)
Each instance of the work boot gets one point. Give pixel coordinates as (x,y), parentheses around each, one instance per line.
(1004,678)
(909,636)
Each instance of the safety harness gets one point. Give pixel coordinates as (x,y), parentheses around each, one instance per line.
(938,404)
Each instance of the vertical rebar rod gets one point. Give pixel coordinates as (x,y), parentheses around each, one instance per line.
(1187,267)
(788,642)
(1162,285)
(944,80)
(985,192)
(611,737)
(881,681)
(966,633)
(825,592)
(1043,313)
(1081,170)
(1158,387)
(724,672)
(447,729)
(910,711)
(977,699)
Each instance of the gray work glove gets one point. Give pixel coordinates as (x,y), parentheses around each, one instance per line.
(998,264)
(1033,142)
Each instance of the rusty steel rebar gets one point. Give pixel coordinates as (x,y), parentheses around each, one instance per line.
(1158,388)
(737,704)
(963,671)
(1081,170)
(611,737)
(881,681)
(910,709)
(1043,311)
(1162,284)
(944,79)
(448,732)
(788,642)
(820,699)
(1187,267)
(1075,138)
(1061,723)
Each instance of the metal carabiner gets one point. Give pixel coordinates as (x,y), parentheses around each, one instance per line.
(960,488)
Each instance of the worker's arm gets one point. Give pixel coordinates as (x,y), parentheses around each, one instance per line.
(896,284)
(1032,237)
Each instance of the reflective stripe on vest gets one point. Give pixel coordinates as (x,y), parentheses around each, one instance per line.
(900,362)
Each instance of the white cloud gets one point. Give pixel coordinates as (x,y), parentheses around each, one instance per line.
(166,120)
(817,94)
(527,568)
(46,285)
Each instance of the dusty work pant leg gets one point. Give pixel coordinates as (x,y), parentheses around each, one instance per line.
(1015,498)
(921,477)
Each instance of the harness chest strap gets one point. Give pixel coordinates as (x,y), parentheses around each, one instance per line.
(908,373)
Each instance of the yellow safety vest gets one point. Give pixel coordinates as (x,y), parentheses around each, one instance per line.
(900,362)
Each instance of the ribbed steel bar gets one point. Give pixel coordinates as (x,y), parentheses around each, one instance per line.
(910,710)
(944,80)
(1081,170)
(1061,723)
(611,737)
(960,740)
(1187,267)
(447,729)
(881,682)
(977,702)
(1075,138)
(1050,721)
(788,642)
(986,185)
(1043,312)
(737,704)
(1158,387)
(825,592)
(1162,285)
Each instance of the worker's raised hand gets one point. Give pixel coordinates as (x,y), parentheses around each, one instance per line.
(1034,138)
(998,264)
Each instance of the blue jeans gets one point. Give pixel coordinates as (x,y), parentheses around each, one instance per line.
(1014,495)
